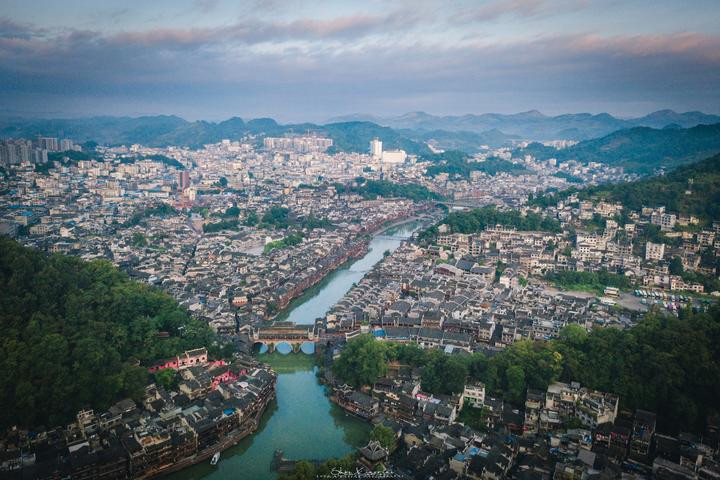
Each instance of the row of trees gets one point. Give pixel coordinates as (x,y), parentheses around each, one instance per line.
(589,281)
(478,219)
(169,161)
(231,224)
(275,217)
(666,364)
(372,189)
(76,334)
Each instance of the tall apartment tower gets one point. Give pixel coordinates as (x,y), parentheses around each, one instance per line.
(376,148)
(184,180)
(48,143)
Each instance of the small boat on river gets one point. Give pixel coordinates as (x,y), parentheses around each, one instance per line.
(215,459)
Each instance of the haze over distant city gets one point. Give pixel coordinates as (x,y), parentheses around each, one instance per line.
(310,61)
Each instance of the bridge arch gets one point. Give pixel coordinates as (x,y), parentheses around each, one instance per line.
(260,347)
(308,348)
(284,348)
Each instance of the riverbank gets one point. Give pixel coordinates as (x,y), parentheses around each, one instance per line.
(315,302)
(231,439)
(303,422)
(355,251)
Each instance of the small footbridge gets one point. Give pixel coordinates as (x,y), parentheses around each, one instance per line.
(391,237)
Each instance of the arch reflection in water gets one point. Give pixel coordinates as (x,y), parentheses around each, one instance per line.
(259,348)
(308,348)
(283,348)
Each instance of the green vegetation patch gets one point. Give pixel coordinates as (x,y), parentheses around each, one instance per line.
(456,163)
(594,282)
(372,189)
(74,332)
(287,241)
(689,190)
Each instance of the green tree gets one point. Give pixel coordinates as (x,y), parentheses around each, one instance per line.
(516,384)
(167,378)
(232,212)
(384,435)
(251,218)
(138,240)
(304,470)
(443,374)
(362,361)
(676,267)
(72,332)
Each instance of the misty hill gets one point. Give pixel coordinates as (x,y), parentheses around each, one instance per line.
(533,125)
(161,131)
(673,190)
(468,142)
(640,149)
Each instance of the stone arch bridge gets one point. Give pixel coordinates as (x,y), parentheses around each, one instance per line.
(298,337)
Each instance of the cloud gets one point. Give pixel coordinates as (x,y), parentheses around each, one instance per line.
(205,6)
(250,32)
(11,29)
(519,8)
(310,68)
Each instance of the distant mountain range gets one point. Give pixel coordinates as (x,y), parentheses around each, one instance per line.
(666,142)
(533,125)
(639,149)
(162,130)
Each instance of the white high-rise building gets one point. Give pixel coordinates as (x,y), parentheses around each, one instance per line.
(376,148)
(394,156)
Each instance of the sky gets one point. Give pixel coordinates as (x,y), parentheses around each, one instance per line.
(311,60)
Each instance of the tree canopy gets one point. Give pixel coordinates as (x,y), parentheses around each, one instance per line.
(456,163)
(372,189)
(664,364)
(362,361)
(384,435)
(478,219)
(690,189)
(74,332)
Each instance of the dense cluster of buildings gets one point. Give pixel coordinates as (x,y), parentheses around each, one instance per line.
(148,211)
(566,432)
(480,292)
(215,405)
(461,304)
(639,244)
(235,231)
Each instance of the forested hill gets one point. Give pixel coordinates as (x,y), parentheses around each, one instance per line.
(640,149)
(690,189)
(163,130)
(73,331)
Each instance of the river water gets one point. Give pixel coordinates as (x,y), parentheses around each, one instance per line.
(302,421)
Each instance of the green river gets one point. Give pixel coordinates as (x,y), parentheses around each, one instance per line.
(302,421)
